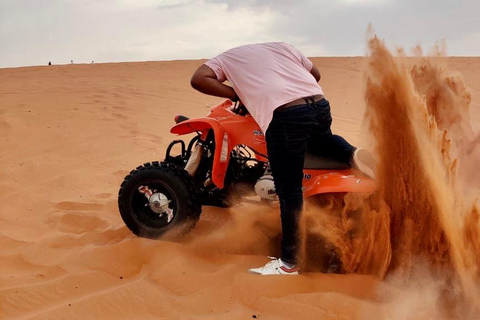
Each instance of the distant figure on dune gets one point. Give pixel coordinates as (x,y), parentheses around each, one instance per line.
(71,61)
(92,61)
(49,63)
(279,87)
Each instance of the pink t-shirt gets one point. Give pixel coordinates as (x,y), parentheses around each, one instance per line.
(266,76)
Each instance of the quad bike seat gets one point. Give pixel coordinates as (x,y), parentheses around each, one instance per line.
(313,161)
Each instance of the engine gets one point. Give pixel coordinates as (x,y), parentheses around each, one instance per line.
(265,188)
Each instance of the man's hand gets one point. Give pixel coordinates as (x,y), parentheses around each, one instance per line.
(205,81)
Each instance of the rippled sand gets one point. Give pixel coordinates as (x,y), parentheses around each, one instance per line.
(70,133)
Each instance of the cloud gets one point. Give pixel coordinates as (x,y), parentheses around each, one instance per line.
(36,31)
(273,5)
(175,4)
(365,2)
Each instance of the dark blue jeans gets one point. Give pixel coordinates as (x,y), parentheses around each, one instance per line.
(288,136)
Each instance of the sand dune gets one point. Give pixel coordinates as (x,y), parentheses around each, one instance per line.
(69,135)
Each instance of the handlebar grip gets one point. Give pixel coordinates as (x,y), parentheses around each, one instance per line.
(179,118)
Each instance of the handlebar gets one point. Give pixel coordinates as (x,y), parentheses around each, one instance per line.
(240,109)
(179,118)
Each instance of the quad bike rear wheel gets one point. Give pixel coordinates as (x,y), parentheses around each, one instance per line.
(158,198)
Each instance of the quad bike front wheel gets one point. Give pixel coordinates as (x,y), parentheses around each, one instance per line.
(158,198)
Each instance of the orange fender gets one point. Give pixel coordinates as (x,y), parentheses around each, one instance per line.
(328,181)
(220,159)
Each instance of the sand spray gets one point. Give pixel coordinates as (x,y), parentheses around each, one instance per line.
(421,230)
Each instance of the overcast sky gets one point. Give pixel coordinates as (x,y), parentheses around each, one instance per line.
(33,32)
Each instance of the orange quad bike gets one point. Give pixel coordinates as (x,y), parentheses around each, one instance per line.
(225,160)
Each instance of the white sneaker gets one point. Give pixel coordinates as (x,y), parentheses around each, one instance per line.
(365,162)
(275,266)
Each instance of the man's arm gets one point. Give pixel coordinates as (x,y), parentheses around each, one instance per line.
(315,73)
(205,81)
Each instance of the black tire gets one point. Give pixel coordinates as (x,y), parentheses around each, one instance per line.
(169,179)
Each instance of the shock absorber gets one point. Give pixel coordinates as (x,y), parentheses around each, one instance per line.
(194,160)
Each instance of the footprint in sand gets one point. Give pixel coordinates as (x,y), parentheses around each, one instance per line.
(79,223)
(76,229)
(121,174)
(103,195)
(120,116)
(141,135)
(79,218)
(144,139)
(79,206)
(117,107)
(4,126)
